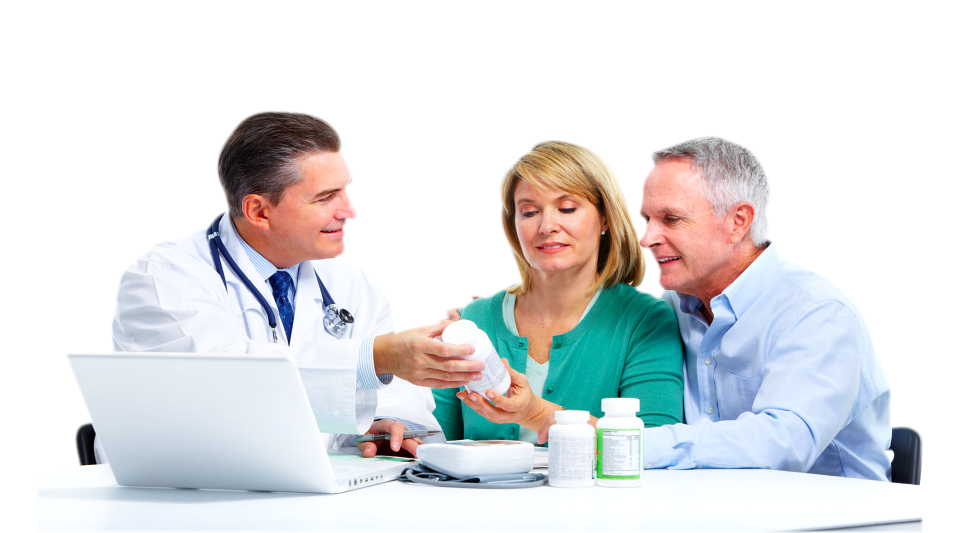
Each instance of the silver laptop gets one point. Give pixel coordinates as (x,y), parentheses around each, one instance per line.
(205,421)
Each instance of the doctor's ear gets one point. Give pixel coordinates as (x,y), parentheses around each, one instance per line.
(256,209)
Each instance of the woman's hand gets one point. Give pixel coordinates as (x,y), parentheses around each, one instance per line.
(544,432)
(519,406)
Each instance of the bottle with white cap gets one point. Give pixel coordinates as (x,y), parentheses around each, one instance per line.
(494,376)
(620,444)
(572,450)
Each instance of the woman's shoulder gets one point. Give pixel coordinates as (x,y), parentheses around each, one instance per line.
(629,300)
(639,315)
(483,308)
(621,292)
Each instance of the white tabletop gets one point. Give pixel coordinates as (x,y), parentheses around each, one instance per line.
(88,498)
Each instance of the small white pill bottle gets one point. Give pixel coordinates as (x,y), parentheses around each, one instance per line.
(620,444)
(494,375)
(572,450)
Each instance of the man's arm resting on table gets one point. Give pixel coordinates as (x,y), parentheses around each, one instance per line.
(807,395)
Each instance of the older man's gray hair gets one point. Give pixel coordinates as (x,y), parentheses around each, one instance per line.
(729,174)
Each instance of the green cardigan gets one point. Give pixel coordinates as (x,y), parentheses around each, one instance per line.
(628,345)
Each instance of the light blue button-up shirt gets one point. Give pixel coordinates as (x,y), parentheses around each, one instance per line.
(367,378)
(785,378)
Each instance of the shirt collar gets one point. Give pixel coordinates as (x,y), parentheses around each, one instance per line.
(264,267)
(755,281)
(749,286)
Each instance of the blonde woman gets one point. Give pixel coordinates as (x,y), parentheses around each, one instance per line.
(575,329)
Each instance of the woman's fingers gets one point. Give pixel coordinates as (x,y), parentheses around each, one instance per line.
(544,432)
(517,379)
(483,408)
(511,405)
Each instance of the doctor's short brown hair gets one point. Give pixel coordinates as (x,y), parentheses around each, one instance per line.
(261,156)
(578,171)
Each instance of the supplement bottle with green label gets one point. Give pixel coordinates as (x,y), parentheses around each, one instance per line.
(620,444)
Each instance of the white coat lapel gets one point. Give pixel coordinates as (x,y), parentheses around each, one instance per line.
(309,311)
(247,301)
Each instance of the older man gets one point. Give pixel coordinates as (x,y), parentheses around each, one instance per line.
(779,369)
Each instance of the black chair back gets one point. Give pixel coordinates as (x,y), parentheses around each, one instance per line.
(85,437)
(907,452)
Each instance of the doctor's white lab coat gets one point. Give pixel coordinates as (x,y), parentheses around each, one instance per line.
(173,300)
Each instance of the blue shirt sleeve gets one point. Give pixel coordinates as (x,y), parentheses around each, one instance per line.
(807,393)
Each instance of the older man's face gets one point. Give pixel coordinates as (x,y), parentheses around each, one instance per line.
(690,243)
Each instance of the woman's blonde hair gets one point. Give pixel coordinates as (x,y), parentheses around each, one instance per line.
(578,171)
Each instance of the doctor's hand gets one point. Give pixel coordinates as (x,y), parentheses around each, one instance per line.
(519,406)
(416,356)
(397,445)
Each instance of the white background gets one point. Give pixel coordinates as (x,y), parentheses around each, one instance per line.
(114,115)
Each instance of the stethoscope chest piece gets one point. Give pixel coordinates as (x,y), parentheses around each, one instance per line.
(336,320)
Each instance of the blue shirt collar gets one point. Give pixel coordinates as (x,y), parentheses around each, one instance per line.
(265,268)
(749,286)
(754,282)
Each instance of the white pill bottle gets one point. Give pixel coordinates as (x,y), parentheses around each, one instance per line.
(494,375)
(573,450)
(620,443)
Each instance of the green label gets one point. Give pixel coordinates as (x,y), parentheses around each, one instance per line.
(619,454)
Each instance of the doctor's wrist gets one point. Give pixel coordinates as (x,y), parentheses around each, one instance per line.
(382,350)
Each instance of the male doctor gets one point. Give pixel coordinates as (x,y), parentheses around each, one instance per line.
(270,259)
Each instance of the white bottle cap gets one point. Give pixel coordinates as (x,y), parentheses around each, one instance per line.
(620,406)
(571,417)
(461,332)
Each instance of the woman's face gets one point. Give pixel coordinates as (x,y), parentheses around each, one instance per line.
(558,231)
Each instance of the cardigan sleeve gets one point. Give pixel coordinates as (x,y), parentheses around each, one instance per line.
(653,371)
(448,413)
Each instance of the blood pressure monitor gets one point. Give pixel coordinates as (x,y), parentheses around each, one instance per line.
(464,458)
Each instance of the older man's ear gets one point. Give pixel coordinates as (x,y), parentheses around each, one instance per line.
(739,220)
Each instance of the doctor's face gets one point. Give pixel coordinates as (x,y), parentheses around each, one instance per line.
(308,221)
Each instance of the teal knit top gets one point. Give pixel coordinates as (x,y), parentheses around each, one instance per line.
(628,345)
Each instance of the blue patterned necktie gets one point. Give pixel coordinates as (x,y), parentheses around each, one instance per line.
(281,282)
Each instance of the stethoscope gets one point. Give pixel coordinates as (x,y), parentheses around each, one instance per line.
(335,319)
